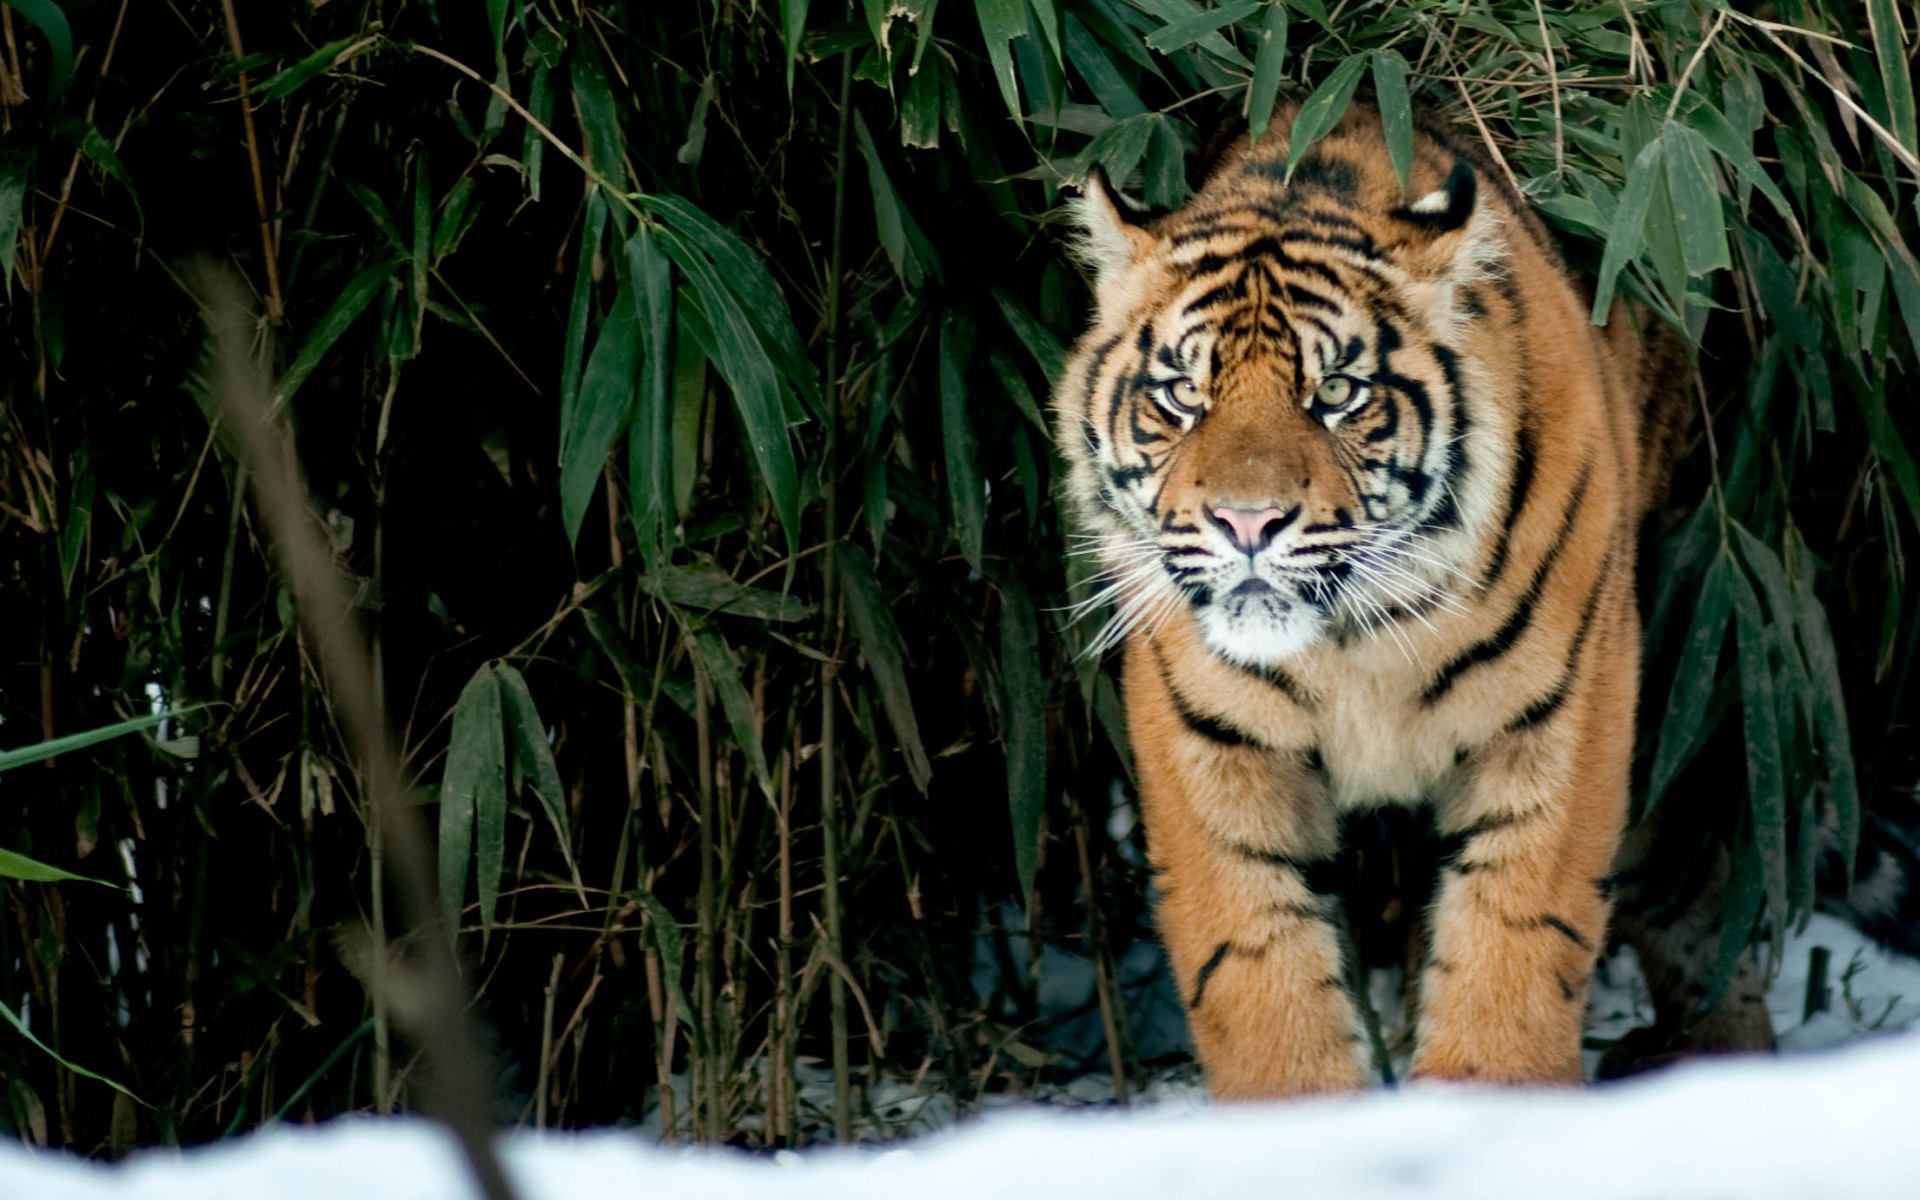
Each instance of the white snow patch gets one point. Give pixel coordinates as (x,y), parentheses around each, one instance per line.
(1836,1124)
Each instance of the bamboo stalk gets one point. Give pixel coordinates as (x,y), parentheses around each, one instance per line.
(705,941)
(546,1045)
(275,308)
(1103,974)
(830,607)
(781,1072)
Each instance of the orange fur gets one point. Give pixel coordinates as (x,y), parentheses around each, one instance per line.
(1399,392)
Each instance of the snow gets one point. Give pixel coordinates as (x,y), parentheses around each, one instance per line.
(1838,1123)
(1821,1119)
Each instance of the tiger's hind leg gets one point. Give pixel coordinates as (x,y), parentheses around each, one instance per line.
(1672,877)
(1243,840)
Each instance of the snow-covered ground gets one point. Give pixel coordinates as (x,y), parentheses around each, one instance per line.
(1821,1120)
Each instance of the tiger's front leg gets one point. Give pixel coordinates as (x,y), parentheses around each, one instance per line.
(1522,908)
(1243,839)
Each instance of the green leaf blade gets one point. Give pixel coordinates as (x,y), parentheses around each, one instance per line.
(966,489)
(473,792)
(600,412)
(1396,110)
(1698,219)
(886,656)
(1268,61)
(1322,110)
(1627,229)
(1025,730)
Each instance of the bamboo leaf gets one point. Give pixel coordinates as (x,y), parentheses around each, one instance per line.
(1025,729)
(1740,901)
(351,302)
(422,245)
(455,218)
(53,747)
(46,16)
(721,668)
(1766,786)
(95,146)
(793,27)
(1001,21)
(16,165)
(13,1019)
(600,121)
(650,439)
(1883,21)
(886,656)
(1396,110)
(1037,338)
(573,350)
(473,793)
(889,217)
(742,361)
(1090,60)
(708,590)
(288,80)
(1322,110)
(1682,729)
(1185,31)
(746,275)
(1736,150)
(1625,232)
(376,210)
(1213,42)
(965,487)
(667,940)
(601,412)
(1830,718)
(533,758)
(1698,220)
(1268,60)
(497,25)
(19,866)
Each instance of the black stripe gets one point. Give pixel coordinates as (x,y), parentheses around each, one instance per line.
(1544,708)
(1446,514)
(1321,876)
(1449,847)
(1561,927)
(1517,622)
(1234,290)
(1214,729)
(1387,339)
(1207,969)
(1308,298)
(1517,491)
(1285,684)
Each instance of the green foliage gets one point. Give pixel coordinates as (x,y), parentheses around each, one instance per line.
(628,366)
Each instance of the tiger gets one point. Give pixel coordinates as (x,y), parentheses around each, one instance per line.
(1364,485)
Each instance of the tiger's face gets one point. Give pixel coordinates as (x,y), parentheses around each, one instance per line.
(1267,425)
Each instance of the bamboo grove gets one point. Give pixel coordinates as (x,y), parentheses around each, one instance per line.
(668,383)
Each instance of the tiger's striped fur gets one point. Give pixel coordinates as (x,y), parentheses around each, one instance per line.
(1366,484)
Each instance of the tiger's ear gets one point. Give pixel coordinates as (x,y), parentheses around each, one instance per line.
(1455,240)
(1108,240)
(1446,208)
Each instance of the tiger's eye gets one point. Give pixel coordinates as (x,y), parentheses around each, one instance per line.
(1180,400)
(1334,391)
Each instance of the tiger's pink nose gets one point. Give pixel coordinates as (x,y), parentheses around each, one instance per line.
(1252,530)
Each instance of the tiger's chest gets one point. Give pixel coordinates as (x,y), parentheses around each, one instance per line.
(1378,743)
